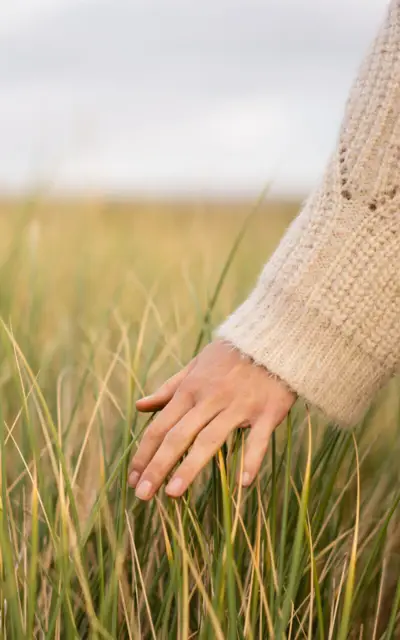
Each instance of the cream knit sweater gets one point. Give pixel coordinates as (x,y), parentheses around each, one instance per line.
(324,315)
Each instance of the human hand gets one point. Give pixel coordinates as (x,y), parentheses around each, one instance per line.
(218,391)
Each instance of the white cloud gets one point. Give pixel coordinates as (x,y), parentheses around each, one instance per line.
(175,95)
(19,15)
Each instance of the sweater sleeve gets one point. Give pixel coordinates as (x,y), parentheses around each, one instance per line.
(324,315)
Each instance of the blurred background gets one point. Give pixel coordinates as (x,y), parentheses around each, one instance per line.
(171,98)
(136,138)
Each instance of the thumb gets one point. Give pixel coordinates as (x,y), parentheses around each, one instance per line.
(163,394)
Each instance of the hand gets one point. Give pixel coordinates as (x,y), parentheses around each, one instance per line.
(218,391)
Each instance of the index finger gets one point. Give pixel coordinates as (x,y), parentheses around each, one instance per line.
(155,434)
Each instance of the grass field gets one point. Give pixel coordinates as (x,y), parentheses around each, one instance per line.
(98,302)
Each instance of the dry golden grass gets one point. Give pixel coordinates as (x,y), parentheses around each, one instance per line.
(97,301)
(72,261)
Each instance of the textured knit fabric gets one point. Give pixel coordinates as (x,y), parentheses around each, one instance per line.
(325,313)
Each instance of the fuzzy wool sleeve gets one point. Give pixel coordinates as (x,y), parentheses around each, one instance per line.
(324,315)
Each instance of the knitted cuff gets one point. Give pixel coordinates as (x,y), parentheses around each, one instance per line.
(307,352)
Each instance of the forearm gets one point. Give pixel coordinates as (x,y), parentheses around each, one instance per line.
(325,313)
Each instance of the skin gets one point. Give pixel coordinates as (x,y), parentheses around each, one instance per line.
(218,391)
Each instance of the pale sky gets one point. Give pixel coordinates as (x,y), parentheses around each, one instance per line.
(175,96)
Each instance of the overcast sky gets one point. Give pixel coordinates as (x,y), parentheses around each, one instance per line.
(175,95)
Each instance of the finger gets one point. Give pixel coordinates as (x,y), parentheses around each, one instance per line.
(256,446)
(155,434)
(175,444)
(163,394)
(206,445)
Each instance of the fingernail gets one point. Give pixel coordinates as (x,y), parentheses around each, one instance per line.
(174,488)
(246,479)
(143,490)
(133,478)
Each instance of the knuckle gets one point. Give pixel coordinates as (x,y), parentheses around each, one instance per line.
(221,396)
(152,433)
(223,389)
(247,407)
(187,392)
(257,407)
(205,441)
(173,438)
(201,441)
(280,408)
(151,436)
(243,409)
(136,465)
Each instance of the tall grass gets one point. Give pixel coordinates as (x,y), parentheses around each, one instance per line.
(96,308)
